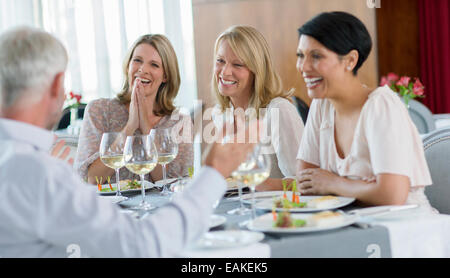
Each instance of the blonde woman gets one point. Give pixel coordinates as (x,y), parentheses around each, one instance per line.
(244,77)
(151,82)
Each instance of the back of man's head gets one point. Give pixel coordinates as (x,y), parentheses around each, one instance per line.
(29,60)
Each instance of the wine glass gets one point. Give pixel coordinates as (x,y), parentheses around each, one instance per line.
(241,210)
(253,171)
(140,158)
(167,150)
(111,153)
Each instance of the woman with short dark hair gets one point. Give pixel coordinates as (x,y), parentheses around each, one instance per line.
(358,142)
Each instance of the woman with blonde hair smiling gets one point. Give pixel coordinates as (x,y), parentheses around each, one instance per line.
(244,77)
(151,83)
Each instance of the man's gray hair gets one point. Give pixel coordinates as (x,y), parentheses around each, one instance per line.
(29,60)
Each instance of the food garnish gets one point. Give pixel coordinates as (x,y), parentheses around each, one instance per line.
(285,220)
(99,183)
(191,172)
(109,182)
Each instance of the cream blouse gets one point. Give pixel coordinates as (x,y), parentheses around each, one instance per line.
(282,137)
(385,140)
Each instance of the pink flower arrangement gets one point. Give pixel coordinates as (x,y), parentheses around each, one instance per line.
(404,86)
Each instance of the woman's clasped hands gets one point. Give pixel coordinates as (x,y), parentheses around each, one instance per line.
(139,110)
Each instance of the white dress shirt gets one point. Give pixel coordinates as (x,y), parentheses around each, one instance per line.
(47,211)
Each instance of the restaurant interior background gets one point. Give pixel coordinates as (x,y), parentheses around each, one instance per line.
(411,37)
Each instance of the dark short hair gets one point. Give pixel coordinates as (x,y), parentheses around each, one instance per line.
(340,32)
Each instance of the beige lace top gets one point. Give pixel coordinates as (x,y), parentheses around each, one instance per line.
(109,115)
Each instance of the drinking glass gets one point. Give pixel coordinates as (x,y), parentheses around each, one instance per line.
(167,150)
(253,171)
(241,210)
(111,153)
(140,158)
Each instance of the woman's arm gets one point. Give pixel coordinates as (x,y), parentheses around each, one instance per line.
(388,189)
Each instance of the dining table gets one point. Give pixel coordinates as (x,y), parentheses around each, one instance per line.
(411,233)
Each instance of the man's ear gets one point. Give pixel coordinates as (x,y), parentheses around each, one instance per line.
(57,85)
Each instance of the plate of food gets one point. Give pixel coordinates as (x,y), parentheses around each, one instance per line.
(285,222)
(216,220)
(126,186)
(227,239)
(281,201)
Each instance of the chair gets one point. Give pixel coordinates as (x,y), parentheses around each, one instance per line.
(65,118)
(302,108)
(421,116)
(437,153)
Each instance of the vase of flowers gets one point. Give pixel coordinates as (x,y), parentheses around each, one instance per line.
(73,102)
(406,87)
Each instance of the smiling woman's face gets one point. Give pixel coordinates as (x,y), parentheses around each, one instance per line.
(234,79)
(146,64)
(321,68)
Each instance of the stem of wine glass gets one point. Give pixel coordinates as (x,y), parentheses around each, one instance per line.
(164,172)
(164,178)
(118,183)
(252,189)
(142,189)
(240,195)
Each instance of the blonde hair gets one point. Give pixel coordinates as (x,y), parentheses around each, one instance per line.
(168,90)
(251,47)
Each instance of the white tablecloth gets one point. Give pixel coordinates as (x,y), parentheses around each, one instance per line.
(417,234)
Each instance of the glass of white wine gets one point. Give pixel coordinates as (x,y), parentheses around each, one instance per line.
(141,158)
(253,171)
(167,150)
(111,153)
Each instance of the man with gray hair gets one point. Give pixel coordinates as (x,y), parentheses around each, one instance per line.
(45,208)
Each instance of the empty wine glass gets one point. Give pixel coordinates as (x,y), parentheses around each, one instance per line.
(167,150)
(111,153)
(140,158)
(253,171)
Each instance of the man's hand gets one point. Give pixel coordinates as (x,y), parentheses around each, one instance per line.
(56,152)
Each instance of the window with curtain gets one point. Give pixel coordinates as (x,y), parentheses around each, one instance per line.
(97,34)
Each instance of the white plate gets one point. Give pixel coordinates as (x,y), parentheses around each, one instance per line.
(216,220)
(227,239)
(264,223)
(264,200)
(147,185)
